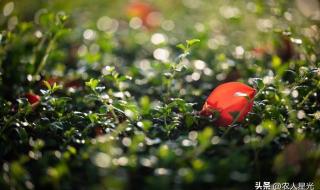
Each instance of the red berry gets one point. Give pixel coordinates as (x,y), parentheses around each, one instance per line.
(229,98)
(33,98)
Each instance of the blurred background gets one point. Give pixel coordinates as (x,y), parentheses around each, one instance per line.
(131,47)
(132,32)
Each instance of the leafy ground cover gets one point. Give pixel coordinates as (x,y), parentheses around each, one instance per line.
(107,95)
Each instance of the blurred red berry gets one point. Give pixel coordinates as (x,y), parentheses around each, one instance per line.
(53,80)
(99,131)
(144,12)
(76,83)
(229,100)
(33,98)
(260,52)
(139,9)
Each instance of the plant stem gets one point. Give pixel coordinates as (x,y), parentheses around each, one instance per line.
(46,55)
(110,107)
(308,95)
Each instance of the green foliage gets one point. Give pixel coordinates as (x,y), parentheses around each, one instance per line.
(120,102)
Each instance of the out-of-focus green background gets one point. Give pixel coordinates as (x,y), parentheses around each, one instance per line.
(121,83)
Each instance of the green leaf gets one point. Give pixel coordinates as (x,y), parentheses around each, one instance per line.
(258,82)
(56,87)
(276,61)
(189,120)
(72,150)
(93,117)
(192,42)
(205,136)
(182,47)
(93,83)
(146,124)
(270,127)
(145,104)
(164,151)
(47,84)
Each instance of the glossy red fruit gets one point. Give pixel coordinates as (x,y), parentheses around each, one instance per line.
(232,100)
(33,98)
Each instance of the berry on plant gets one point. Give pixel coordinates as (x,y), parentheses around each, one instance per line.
(232,100)
(33,98)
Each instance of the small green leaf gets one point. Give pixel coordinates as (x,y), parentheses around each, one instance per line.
(205,136)
(55,87)
(145,104)
(189,120)
(259,83)
(47,84)
(93,117)
(182,47)
(146,124)
(93,83)
(192,42)
(276,61)
(164,151)
(72,150)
